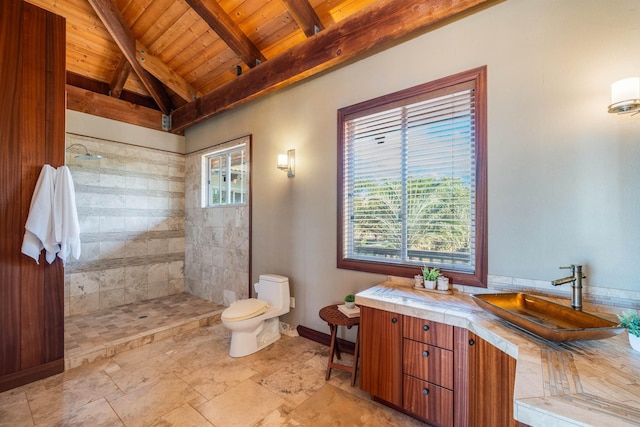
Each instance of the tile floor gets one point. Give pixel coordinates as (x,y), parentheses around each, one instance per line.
(188,379)
(101,334)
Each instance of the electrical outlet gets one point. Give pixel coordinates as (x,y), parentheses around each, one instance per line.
(292,302)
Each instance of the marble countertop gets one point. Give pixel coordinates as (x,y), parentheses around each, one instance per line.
(581,383)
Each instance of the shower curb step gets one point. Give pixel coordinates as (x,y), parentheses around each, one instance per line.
(80,357)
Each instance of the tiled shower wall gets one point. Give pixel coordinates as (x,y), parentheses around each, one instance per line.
(131,212)
(217,242)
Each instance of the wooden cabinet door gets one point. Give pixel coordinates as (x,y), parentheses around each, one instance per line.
(428,363)
(381,354)
(428,332)
(491,379)
(428,401)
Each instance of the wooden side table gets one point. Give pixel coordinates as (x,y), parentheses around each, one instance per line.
(335,318)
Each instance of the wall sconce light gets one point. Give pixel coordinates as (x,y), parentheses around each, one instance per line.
(287,162)
(625,96)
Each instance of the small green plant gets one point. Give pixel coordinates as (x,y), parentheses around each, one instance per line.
(631,321)
(430,274)
(350,298)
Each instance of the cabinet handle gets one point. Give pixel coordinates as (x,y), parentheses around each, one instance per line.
(471,342)
(425,353)
(425,391)
(425,328)
(394,320)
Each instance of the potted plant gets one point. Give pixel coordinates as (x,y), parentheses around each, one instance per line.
(350,301)
(430,276)
(631,321)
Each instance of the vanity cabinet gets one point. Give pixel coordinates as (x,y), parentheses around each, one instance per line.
(381,341)
(427,369)
(441,374)
(491,375)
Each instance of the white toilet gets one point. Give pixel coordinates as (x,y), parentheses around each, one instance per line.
(254,322)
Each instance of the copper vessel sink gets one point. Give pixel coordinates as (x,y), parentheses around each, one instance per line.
(546,319)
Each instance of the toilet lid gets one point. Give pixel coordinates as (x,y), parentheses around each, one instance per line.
(245,309)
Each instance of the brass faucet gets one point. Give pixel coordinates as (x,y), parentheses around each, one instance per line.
(576,285)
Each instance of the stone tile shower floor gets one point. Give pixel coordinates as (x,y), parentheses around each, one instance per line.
(188,379)
(101,334)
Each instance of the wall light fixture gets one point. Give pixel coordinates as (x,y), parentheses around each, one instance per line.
(625,96)
(287,162)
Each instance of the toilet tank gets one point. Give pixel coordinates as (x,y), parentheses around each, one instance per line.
(273,289)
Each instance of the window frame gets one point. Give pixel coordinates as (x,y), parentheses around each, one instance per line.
(227,153)
(479,277)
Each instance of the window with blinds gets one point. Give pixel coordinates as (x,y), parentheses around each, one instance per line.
(410,190)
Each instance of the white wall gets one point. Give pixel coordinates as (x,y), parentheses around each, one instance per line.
(98,127)
(564,175)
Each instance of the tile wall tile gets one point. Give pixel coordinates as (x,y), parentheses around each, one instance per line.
(216,242)
(131,212)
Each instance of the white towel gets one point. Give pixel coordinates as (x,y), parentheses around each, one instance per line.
(40,233)
(65,215)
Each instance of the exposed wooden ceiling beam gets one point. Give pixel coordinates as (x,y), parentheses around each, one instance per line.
(123,36)
(89,102)
(373,27)
(305,16)
(220,22)
(119,78)
(166,75)
(104,88)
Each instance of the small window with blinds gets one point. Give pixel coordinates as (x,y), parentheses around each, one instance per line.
(412,181)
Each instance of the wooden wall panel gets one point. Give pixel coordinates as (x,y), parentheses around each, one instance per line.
(32,45)
(10,75)
(32,157)
(55,153)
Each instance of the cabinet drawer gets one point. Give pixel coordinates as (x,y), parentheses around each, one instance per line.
(428,332)
(428,401)
(429,363)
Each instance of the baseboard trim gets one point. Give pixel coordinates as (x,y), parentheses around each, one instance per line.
(322,338)
(16,379)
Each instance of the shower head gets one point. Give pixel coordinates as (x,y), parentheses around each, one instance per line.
(87,155)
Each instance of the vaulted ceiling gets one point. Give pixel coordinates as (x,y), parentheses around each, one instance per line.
(168,64)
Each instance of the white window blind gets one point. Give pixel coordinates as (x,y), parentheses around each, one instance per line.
(409,181)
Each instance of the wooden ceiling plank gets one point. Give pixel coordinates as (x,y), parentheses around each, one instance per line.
(133,10)
(256,21)
(208,61)
(269,31)
(165,74)
(305,16)
(120,78)
(179,36)
(373,27)
(176,54)
(122,35)
(89,46)
(91,67)
(213,47)
(224,26)
(159,16)
(224,72)
(276,32)
(96,104)
(134,85)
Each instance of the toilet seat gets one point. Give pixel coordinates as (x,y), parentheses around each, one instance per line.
(244,309)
